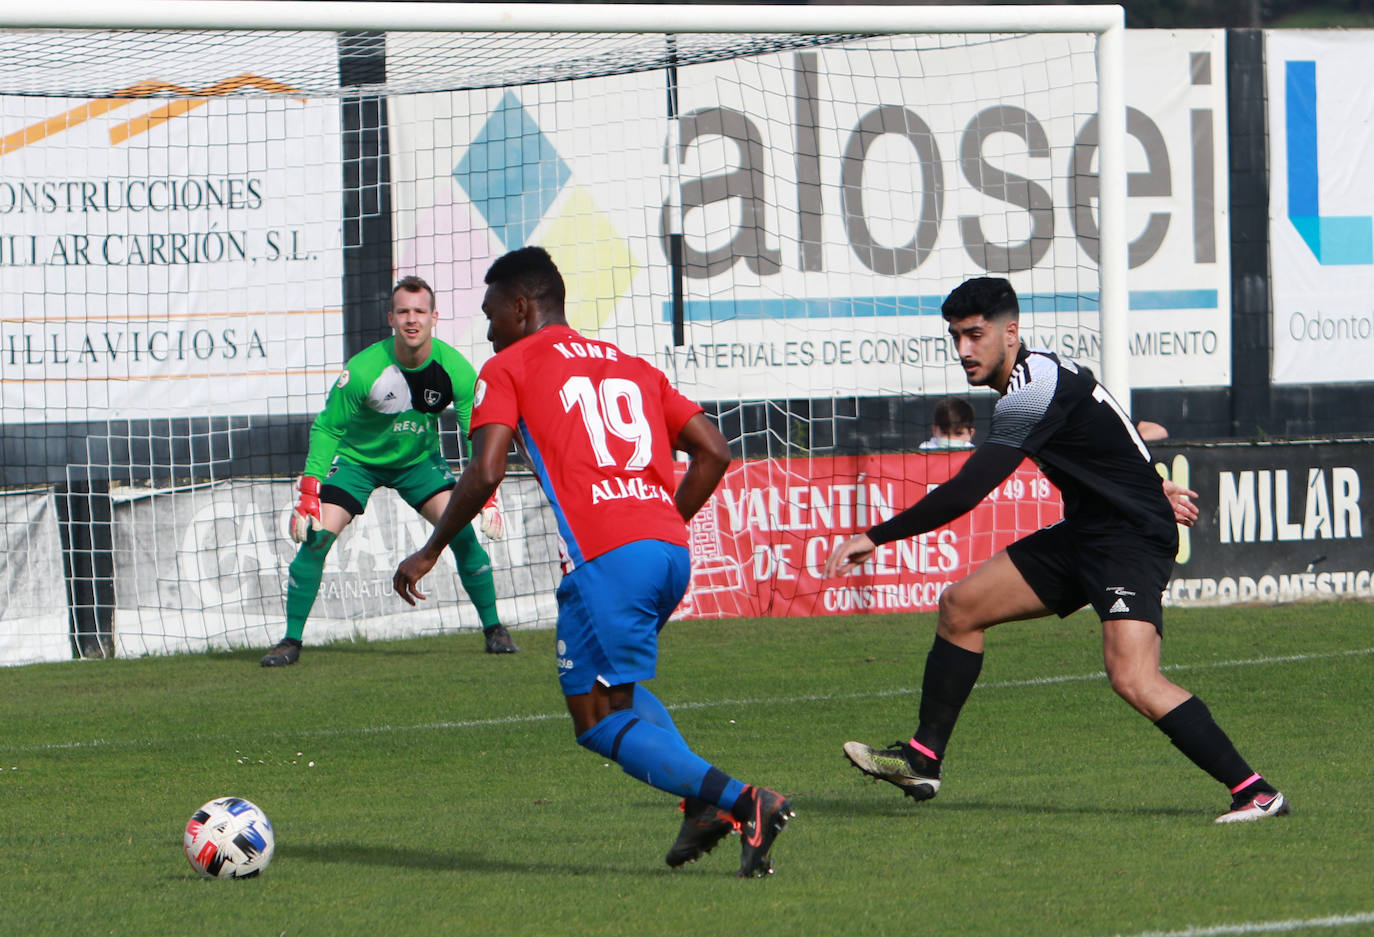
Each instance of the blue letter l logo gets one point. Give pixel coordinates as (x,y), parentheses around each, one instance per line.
(1333,240)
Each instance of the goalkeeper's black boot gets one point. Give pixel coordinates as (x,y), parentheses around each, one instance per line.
(498,640)
(284,654)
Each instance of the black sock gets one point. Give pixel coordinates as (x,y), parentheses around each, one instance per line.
(950,675)
(1191,728)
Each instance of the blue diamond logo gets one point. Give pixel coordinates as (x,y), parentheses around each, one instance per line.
(511,172)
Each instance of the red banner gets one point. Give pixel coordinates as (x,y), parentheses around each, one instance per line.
(760,544)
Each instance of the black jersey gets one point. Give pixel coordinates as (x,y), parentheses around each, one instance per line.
(1062,418)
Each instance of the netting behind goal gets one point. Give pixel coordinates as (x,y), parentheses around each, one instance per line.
(201,226)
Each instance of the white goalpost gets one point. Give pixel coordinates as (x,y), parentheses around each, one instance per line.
(205,204)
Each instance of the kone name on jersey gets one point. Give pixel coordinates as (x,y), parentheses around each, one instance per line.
(613,489)
(579,350)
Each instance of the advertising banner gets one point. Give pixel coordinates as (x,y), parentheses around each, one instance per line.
(34,616)
(1177,197)
(172,251)
(759,545)
(1278,523)
(830,199)
(1321,204)
(208,568)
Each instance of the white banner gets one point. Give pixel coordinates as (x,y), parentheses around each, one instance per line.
(207,567)
(34,620)
(167,255)
(1321,204)
(1178,222)
(806,276)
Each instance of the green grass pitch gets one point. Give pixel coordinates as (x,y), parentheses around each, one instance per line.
(423,787)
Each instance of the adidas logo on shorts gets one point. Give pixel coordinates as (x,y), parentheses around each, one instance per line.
(1119,606)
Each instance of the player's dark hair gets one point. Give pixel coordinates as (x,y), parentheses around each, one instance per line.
(990,297)
(953,414)
(531,271)
(413,284)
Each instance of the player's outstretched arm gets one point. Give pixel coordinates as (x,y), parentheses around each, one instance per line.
(710,457)
(1181,499)
(480,479)
(986,468)
(849,554)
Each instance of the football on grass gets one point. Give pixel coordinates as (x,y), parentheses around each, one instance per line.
(229,838)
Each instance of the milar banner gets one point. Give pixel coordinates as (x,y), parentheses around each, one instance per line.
(1281,522)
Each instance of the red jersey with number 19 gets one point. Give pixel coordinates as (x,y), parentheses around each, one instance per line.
(597,426)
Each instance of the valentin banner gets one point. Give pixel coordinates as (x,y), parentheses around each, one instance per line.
(1321,204)
(796,282)
(760,543)
(170,256)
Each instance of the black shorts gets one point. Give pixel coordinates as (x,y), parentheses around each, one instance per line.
(1119,575)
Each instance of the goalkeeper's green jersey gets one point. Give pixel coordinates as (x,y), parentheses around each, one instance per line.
(383,415)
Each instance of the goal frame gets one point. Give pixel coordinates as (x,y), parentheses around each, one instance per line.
(175,469)
(1108,22)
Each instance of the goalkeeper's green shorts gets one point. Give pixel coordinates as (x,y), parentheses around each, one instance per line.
(350,484)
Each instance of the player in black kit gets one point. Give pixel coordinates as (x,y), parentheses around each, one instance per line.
(1114,550)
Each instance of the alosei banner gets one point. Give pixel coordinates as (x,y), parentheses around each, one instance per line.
(829,199)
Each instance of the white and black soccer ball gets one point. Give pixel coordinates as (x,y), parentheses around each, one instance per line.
(229,838)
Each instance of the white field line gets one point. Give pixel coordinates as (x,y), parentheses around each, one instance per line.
(691,705)
(1265,927)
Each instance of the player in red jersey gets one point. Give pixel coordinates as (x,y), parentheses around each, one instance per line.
(599,427)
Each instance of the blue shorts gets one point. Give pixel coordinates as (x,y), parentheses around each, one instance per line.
(611,609)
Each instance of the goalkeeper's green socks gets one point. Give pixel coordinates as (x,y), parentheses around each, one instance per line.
(307,571)
(474,570)
(303,583)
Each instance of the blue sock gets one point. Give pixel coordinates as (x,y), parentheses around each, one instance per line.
(648,708)
(658,757)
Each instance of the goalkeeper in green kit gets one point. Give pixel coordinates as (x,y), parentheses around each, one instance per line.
(380,427)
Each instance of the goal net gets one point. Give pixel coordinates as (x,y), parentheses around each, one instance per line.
(203,221)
